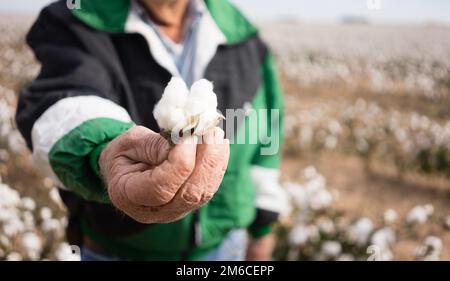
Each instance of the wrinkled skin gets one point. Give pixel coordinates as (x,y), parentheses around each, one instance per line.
(154,182)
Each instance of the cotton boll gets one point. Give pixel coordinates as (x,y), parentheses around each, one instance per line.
(32,244)
(321,200)
(383,238)
(345,257)
(201,98)
(326,226)
(359,232)
(55,197)
(202,105)
(390,216)
(28,203)
(175,94)
(45,213)
(429,209)
(430,250)
(52,225)
(64,252)
(13,227)
(331,249)
(418,215)
(309,172)
(14,256)
(298,236)
(169,111)
(28,220)
(181,110)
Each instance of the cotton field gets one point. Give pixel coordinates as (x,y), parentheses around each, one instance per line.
(358,98)
(383,58)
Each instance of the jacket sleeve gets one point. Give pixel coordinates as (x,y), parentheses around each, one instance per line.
(270,197)
(70,111)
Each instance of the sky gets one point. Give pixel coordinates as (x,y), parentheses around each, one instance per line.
(377,11)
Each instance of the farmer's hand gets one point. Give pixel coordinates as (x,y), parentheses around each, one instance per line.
(153,182)
(260,249)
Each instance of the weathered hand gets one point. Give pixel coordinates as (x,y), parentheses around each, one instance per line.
(152,182)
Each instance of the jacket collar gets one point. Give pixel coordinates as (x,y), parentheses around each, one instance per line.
(112,16)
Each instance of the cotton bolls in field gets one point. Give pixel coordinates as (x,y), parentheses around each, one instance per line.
(298,235)
(383,238)
(180,110)
(430,250)
(64,252)
(419,214)
(331,249)
(45,213)
(32,244)
(360,231)
(390,216)
(14,256)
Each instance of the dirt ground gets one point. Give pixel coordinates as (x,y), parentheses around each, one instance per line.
(370,194)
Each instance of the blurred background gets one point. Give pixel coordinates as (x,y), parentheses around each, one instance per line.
(367,155)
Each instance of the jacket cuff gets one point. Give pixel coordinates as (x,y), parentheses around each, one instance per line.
(94,157)
(260,231)
(262,225)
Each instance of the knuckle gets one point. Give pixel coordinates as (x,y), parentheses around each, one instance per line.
(185,166)
(155,146)
(212,160)
(192,194)
(162,197)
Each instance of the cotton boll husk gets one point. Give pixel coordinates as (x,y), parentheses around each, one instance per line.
(207,120)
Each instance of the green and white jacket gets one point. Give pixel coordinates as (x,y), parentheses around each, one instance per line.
(103,70)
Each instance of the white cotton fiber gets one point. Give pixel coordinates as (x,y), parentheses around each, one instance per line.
(180,109)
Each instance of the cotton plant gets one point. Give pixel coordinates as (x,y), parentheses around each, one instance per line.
(25,229)
(430,250)
(181,110)
(360,231)
(64,252)
(419,214)
(383,239)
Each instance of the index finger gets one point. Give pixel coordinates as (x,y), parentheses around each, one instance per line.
(157,186)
